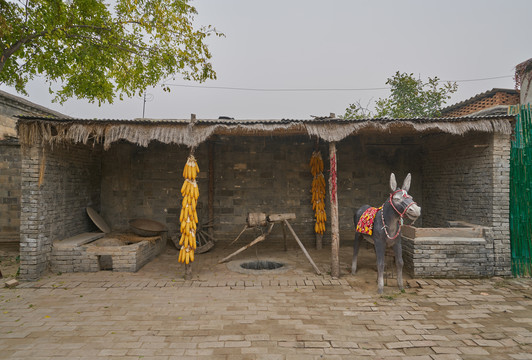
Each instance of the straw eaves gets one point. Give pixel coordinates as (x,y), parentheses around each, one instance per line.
(40,131)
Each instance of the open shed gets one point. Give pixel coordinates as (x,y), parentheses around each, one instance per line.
(127,169)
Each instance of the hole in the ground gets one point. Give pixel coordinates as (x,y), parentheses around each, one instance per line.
(261,265)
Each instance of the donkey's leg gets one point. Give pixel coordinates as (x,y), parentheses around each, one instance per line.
(380,249)
(399,263)
(356,247)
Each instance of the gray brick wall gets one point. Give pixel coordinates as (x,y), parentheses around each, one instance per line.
(9,191)
(449,257)
(56,209)
(457,180)
(453,179)
(86,258)
(253,174)
(7,126)
(500,212)
(467,178)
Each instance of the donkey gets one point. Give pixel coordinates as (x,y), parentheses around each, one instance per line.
(387,228)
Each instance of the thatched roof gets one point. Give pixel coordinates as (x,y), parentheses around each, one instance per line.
(43,130)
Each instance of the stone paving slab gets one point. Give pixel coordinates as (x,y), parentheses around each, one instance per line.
(61,319)
(154,314)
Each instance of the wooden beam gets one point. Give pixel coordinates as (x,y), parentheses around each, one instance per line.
(210,200)
(238,237)
(281,217)
(319,241)
(284,238)
(335,232)
(302,248)
(257,240)
(188,271)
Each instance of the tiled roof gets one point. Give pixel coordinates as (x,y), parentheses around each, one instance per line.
(260,121)
(478,97)
(36,108)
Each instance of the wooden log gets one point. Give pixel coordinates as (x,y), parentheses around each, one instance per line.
(303,248)
(335,231)
(256,219)
(238,237)
(188,271)
(256,241)
(281,217)
(210,200)
(319,241)
(284,238)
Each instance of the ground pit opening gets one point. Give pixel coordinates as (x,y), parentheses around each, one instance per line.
(261,265)
(264,266)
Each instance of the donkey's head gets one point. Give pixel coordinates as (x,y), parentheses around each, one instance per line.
(403,203)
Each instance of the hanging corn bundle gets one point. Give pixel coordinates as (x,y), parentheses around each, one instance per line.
(189,217)
(318,192)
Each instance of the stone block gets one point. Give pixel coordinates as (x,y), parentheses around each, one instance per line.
(11,283)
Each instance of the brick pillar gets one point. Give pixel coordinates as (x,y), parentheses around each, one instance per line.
(33,251)
(501,204)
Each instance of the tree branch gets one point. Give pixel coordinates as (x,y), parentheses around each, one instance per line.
(6,53)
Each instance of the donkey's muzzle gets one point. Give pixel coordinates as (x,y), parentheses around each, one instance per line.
(413,212)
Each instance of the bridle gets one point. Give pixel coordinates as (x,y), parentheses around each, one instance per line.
(401,214)
(406,196)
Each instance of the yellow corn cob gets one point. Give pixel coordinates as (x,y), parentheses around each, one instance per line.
(188,216)
(318,192)
(196,191)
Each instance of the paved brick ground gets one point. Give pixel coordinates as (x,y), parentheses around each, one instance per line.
(153,314)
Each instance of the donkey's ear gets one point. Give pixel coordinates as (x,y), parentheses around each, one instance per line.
(393,182)
(406,183)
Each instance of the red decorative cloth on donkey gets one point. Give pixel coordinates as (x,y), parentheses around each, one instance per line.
(365,224)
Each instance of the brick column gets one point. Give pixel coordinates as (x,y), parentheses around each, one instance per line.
(501,204)
(34,246)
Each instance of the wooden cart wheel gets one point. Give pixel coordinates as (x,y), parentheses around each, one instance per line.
(204,241)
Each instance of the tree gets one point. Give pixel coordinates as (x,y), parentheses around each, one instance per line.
(357,111)
(95,51)
(410,97)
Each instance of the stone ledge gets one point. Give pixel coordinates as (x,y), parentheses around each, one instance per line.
(447,241)
(78,240)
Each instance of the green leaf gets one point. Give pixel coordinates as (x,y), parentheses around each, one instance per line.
(94,51)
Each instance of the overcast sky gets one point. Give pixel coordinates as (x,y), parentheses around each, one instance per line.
(338,44)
